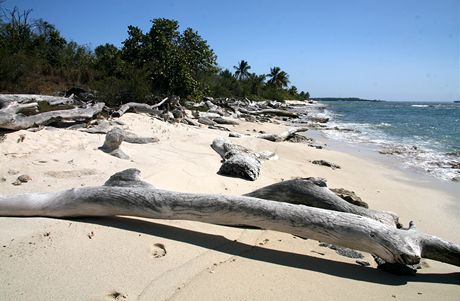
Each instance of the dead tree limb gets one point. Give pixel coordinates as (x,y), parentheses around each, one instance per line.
(283,136)
(239,161)
(33,98)
(139,108)
(13,121)
(126,194)
(276,112)
(313,192)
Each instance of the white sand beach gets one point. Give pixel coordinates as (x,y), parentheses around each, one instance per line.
(126,258)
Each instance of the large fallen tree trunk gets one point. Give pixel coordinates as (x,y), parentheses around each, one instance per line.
(126,194)
(313,192)
(12,121)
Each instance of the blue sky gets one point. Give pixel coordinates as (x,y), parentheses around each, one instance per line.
(393,49)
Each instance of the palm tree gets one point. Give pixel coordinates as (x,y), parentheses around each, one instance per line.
(242,70)
(278,78)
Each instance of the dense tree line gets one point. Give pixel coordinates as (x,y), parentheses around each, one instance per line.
(35,58)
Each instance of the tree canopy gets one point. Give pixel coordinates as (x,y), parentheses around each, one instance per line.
(35,58)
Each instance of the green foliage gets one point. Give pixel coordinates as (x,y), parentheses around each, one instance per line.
(35,58)
(173,62)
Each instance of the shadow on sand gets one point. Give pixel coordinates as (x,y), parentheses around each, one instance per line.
(294,260)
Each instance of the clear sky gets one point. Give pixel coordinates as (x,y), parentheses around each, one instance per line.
(377,49)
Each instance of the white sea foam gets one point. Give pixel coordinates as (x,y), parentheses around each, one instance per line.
(414,152)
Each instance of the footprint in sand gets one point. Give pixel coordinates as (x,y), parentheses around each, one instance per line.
(158,250)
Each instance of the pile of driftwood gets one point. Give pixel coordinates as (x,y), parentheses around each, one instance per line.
(302,207)
(25,111)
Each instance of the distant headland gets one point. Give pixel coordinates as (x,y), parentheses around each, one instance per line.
(346,99)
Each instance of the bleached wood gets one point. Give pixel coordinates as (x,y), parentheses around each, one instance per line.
(13,121)
(284,135)
(139,108)
(276,112)
(125,194)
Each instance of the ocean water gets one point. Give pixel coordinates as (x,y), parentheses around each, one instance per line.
(424,135)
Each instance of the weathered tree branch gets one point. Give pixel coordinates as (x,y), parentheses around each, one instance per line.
(283,136)
(13,121)
(125,194)
(139,108)
(270,112)
(313,192)
(239,161)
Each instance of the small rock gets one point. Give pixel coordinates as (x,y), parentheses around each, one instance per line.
(21,138)
(17,183)
(326,163)
(343,251)
(2,179)
(455,179)
(24,178)
(350,197)
(234,135)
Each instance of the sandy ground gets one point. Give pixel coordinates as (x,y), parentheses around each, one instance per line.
(126,258)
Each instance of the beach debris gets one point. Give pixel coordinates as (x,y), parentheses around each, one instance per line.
(313,192)
(346,252)
(386,241)
(350,197)
(90,235)
(117,295)
(225,120)
(206,121)
(284,135)
(326,163)
(22,179)
(21,138)
(2,179)
(113,140)
(234,135)
(139,108)
(24,111)
(239,161)
(158,250)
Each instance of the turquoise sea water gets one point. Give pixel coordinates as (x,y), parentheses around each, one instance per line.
(426,135)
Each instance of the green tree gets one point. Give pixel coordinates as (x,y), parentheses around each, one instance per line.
(256,83)
(174,63)
(278,78)
(242,70)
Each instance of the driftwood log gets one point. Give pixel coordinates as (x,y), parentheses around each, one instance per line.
(313,192)
(116,136)
(139,108)
(239,161)
(11,119)
(6,99)
(276,112)
(284,135)
(126,194)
